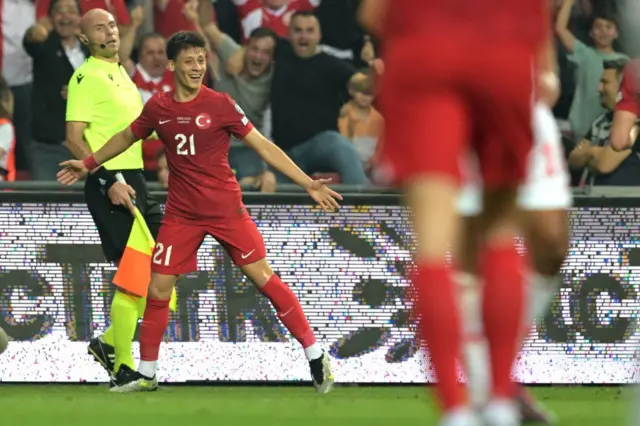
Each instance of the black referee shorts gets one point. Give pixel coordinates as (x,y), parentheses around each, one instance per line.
(114,222)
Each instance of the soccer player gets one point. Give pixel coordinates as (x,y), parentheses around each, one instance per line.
(102,100)
(545,198)
(437,102)
(195,125)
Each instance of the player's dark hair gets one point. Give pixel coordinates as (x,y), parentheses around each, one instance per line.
(147,37)
(263,32)
(54,3)
(5,95)
(302,14)
(183,40)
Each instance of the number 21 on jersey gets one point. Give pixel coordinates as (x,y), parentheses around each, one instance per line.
(186,144)
(162,256)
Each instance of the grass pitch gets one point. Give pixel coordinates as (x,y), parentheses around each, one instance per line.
(90,405)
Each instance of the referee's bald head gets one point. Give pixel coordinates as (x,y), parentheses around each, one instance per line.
(100,33)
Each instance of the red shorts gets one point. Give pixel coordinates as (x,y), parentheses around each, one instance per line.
(439,101)
(178,242)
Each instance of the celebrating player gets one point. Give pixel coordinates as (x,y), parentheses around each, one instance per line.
(435,102)
(102,100)
(544,197)
(195,125)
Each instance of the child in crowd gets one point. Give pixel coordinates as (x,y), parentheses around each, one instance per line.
(359,121)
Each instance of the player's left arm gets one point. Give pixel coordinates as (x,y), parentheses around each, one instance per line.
(276,158)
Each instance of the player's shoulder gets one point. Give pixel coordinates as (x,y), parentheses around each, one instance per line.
(209,95)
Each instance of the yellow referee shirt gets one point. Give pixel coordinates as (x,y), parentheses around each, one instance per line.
(102,95)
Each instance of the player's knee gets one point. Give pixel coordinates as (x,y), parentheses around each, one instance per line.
(500,219)
(258,272)
(161,286)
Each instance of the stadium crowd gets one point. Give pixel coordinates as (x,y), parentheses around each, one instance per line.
(313,95)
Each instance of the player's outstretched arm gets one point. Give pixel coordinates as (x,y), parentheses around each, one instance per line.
(275,157)
(115,146)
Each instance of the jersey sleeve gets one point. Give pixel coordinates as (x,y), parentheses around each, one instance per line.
(234,119)
(628,96)
(143,126)
(81,98)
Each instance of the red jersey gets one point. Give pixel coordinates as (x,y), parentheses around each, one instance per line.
(629,96)
(490,21)
(116,7)
(253,15)
(170,20)
(196,137)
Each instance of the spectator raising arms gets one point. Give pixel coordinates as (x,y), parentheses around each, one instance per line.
(7,136)
(272,14)
(250,88)
(56,53)
(604,31)
(308,92)
(359,121)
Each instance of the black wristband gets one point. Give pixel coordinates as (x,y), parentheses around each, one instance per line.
(106,179)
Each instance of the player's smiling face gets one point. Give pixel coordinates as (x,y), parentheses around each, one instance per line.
(190,67)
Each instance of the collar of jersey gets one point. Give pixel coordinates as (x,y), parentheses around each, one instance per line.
(99,63)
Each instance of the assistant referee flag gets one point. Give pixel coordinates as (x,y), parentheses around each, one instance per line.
(134,270)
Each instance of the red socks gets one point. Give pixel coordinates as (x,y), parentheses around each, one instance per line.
(289,310)
(439,325)
(154,325)
(502,270)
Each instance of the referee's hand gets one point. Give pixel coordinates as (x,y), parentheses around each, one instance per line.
(121,194)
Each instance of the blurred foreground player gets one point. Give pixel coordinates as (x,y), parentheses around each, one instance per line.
(195,125)
(544,197)
(435,102)
(627,108)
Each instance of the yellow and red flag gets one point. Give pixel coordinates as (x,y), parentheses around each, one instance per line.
(134,270)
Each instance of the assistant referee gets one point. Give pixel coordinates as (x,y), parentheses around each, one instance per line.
(101,101)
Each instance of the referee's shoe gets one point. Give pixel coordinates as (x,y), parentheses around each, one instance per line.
(104,354)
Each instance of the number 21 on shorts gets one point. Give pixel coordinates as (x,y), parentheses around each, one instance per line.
(162,255)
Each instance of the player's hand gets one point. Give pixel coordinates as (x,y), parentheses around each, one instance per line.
(323,195)
(72,171)
(122,195)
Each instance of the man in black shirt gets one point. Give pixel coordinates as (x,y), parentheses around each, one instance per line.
(56,54)
(309,88)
